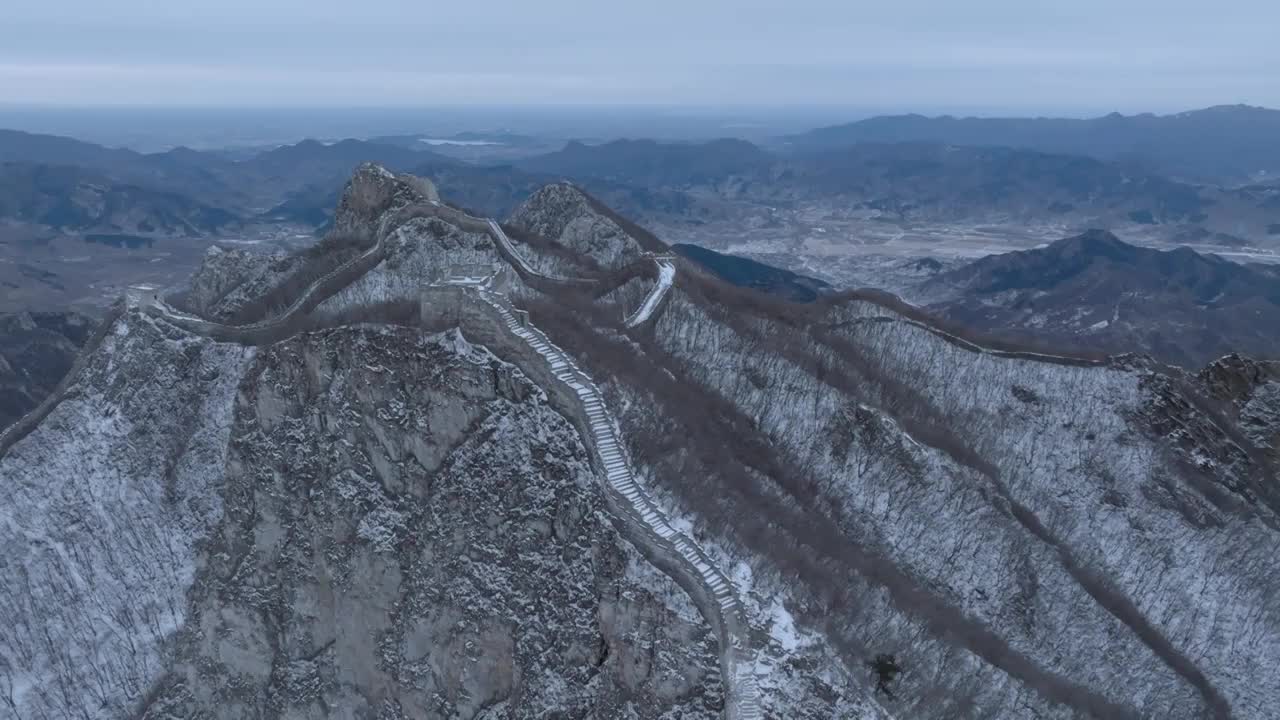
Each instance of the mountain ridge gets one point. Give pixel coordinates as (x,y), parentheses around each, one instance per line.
(904,181)
(859,484)
(1094,289)
(1220,143)
(71,199)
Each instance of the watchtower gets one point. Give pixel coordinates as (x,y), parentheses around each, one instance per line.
(142,296)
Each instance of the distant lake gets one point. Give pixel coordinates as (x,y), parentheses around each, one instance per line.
(440,141)
(132,242)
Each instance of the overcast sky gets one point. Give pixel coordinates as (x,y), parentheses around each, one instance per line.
(1027,55)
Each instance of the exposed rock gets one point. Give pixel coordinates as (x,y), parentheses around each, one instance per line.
(408,525)
(106,502)
(221,272)
(372,192)
(1252,389)
(563,213)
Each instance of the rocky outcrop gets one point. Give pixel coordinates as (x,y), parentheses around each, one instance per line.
(373,192)
(1251,390)
(222,271)
(564,214)
(411,531)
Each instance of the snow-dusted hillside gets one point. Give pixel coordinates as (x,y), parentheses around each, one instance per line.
(564,214)
(439,475)
(102,511)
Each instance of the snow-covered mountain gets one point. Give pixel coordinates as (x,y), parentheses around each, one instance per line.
(440,466)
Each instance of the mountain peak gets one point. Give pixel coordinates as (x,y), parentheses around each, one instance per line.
(373,190)
(1179,305)
(564,213)
(1093,243)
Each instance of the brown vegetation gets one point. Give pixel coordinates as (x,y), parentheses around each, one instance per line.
(318,260)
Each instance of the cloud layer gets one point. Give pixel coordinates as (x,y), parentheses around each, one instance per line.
(1089,54)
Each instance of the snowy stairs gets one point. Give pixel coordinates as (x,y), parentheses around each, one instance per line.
(622,481)
(666,274)
(501,236)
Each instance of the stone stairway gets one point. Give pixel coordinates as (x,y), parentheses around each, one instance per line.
(666,275)
(518,259)
(739,658)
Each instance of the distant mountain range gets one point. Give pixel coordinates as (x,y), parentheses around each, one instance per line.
(1096,292)
(915,181)
(647,163)
(1088,293)
(1104,172)
(247,187)
(1219,144)
(75,199)
(886,175)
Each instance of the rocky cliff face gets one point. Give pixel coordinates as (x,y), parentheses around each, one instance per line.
(389,510)
(564,214)
(354,522)
(105,505)
(1251,391)
(226,270)
(410,530)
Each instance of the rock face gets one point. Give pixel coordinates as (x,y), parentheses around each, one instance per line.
(1252,390)
(564,214)
(222,272)
(105,503)
(410,530)
(354,522)
(372,192)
